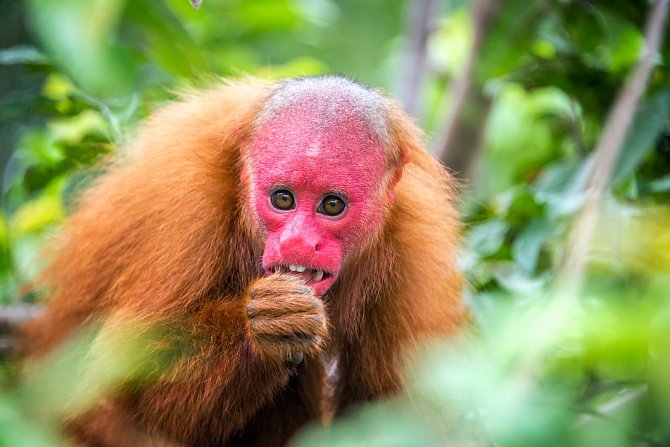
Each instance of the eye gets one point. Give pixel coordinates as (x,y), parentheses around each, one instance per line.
(332,206)
(282,200)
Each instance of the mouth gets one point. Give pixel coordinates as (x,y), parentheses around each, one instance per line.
(307,274)
(319,280)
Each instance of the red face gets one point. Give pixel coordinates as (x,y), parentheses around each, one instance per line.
(316,191)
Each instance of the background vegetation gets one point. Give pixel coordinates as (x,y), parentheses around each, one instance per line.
(554,113)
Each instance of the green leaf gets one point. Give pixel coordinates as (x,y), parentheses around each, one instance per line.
(660,185)
(22,54)
(73,129)
(520,134)
(39,148)
(650,119)
(560,187)
(512,278)
(486,238)
(58,87)
(35,215)
(527,246)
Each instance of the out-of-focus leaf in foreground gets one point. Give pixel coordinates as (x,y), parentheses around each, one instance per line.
(485,391)
(72,379)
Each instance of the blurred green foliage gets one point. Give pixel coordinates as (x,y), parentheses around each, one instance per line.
(75,77)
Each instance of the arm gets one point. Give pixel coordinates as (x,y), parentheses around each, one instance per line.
(238,358)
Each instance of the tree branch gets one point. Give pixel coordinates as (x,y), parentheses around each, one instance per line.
(459,140)
(607,151)
(421,14)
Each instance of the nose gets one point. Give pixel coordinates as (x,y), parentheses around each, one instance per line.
(296,243)
(300,238)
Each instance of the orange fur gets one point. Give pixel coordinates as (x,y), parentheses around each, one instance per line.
(163,236)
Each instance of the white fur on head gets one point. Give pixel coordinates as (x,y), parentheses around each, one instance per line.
(330,92)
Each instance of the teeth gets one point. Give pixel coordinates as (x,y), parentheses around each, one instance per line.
(292,267)
(300,268)
(318,276)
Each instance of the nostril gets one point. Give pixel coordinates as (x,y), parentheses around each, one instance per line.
(317,247)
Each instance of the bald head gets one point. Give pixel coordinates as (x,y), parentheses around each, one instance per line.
(329,100)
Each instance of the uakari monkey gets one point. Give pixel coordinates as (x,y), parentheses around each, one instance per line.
(275,227)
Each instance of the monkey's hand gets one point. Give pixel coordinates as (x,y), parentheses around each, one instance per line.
(286,320)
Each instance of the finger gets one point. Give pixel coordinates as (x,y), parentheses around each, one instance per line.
(309,324)
(281,306)
(276,291)
(285,347)
(279,285)
(289,354)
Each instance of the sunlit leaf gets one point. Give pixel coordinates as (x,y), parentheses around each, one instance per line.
(37,214)
(58,87)
(74,129)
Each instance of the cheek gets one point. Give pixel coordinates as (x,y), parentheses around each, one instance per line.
(362,222)
(267,218)
(271,252)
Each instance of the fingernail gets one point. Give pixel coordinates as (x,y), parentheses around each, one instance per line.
(297,358)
